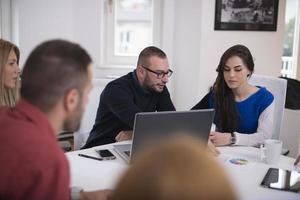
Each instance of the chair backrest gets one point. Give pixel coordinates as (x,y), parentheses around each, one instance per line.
(89,115)
(290,132)
(277,87)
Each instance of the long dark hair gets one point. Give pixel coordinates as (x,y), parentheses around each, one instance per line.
(227,114)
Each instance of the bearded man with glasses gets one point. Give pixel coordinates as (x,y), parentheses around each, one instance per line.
(143,90)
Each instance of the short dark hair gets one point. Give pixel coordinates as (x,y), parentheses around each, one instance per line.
(52,69)
(149,52)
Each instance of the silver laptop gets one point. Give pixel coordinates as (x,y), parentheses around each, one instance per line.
(153,127)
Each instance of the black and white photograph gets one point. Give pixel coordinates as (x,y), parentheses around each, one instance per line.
(255,15)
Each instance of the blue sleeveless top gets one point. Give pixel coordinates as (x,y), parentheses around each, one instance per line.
(249,110)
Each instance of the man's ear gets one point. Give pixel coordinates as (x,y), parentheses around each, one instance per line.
(71,100)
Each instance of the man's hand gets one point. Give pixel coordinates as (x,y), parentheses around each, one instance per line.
(212,149)
(297,160)
(124,135)
(95,195)
(220,139)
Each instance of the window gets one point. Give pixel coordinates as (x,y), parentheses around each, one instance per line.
(291,34)
(1,18)
(5,19)
(133,26)
(130,26)
(8,20)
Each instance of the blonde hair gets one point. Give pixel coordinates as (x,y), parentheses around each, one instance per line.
(178,169)
(8,97)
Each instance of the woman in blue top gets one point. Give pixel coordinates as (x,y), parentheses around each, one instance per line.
(244,113)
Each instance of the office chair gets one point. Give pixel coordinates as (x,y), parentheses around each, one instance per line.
(277,87)
(290,132)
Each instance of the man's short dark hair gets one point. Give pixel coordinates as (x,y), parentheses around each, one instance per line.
(149,52)
(52,69)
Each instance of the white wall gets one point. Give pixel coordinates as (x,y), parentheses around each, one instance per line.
(188,37)
(198,48)
(186,52)
(87,26)
(41,20)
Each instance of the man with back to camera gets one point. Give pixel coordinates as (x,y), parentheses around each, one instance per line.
(56,81)
(143,90)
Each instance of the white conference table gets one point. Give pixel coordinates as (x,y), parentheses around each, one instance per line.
(93,174)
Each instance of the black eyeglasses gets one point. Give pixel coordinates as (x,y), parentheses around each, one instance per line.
(160,74)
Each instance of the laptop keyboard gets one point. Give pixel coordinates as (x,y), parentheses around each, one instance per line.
(127,153)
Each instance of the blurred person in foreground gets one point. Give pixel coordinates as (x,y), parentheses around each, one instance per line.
(180,168)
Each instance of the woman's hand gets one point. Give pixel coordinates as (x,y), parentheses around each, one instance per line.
(220,139)
(212,149)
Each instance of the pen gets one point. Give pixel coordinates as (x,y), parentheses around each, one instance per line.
(91,157)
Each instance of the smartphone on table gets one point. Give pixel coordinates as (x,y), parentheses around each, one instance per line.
(106,154)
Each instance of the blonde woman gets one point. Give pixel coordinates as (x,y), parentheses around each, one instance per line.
(9,73)
(180,168)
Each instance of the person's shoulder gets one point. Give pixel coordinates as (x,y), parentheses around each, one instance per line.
(24,129)
(14,125)
(265,90)
(263,98)
(121,85)
(29,142)
(266,94)
(120,82)
(22,132)
(205,103)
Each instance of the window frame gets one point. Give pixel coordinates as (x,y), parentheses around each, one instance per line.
(9,20)
(1,18)
(5,19)
(108,59)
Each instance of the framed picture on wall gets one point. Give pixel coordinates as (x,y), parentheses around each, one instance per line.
(246,15)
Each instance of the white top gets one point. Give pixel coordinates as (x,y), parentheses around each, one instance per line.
(264,129)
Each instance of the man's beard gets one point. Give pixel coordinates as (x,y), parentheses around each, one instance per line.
(147,85)
(72,123)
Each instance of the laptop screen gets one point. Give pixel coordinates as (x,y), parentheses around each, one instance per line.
(152,127)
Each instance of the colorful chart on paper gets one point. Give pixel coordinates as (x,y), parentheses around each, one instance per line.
(238,161)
